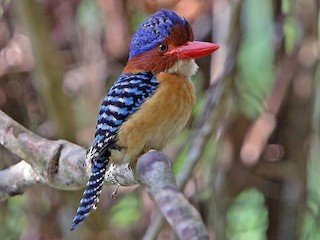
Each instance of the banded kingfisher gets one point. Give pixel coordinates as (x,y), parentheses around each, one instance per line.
(149,103)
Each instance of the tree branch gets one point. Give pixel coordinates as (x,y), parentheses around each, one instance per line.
(60,164)
(16,179)
(154,170)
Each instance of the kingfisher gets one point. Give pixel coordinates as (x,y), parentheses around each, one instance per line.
(149,103)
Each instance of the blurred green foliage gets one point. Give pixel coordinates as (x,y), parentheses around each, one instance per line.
(16,218)
(247,217)
(291,28)
(292,34)
(88,15)
(126,212)
(256,56)
(311,227)
(136,18)
(288,6)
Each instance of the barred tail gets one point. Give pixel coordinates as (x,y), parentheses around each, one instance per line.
(91,195)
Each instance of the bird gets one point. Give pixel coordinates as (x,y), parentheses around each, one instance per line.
(150,102)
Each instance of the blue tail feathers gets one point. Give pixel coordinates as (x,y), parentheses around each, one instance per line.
(91,195)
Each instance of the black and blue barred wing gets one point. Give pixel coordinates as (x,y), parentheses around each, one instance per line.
(124,98)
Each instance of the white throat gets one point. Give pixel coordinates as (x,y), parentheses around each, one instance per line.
(185,67)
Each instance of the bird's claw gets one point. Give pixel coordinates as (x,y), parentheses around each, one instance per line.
(114,193)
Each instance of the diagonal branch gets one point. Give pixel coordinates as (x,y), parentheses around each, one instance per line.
(154,170)
(60,163)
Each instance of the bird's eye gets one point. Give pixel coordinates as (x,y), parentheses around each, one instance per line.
(162,48)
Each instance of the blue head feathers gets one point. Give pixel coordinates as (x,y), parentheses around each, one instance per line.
(154,30)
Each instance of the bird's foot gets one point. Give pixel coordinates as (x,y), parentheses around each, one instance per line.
(114,193)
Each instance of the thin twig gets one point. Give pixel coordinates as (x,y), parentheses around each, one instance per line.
(260,131)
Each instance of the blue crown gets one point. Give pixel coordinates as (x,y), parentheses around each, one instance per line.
(153,31)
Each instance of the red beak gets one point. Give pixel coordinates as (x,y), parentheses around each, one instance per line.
(193,50)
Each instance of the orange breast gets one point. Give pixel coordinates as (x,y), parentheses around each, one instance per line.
(159,120)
